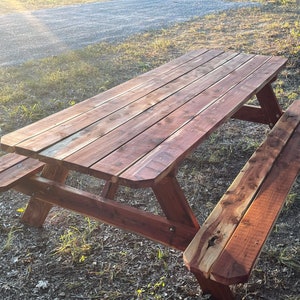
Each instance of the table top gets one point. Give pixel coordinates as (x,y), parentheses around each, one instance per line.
(139,131)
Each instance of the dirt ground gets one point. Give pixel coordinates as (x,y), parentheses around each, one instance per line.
(73,257)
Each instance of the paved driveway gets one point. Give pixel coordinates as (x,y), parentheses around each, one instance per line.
(49,32)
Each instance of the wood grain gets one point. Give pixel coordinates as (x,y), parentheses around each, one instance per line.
(14,167)
(213,236)
(240,254)
(157,228)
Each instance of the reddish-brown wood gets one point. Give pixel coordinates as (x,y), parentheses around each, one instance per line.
(252,114)
(188,98)
(14,167)
(110,189)
(163,128)
(36,210)
(157,228)
(209,251)
(217,290)
(235,263)
(269,104)
(137,133)
(173,202)
(163,103)
(185,139)
(9,141)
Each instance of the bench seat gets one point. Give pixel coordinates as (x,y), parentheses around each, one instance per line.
(226,247)
(15,167)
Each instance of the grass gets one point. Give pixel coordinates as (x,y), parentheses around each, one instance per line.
(41,87)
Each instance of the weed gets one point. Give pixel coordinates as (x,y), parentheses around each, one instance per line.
(10,237)
(152,290)
(74,242)
(288,257)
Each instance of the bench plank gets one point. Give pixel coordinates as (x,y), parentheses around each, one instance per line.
(239,256)
(212,237)
(14,167)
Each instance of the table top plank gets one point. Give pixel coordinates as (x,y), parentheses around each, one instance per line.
(163,158)
(60,117)
(115,139)
(63,128)
(138,147)
(139,131)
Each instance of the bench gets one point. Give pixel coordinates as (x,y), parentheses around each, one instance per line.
(226,247)
(14,168)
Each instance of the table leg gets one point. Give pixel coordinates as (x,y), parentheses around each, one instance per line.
(269,103)
(173,201)
(110,189)
(217,290)
(37,211)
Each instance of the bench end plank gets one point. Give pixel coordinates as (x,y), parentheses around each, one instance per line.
(14,167)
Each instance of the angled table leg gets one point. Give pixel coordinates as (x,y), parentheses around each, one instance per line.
(175,206)
(37,211)
(269,103)
(173,202)
(110,189)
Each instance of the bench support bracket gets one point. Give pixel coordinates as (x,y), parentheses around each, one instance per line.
(37,211)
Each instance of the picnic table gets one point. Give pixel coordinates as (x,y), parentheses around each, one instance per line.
(137,134)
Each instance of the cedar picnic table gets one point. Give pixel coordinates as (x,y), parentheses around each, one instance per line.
(137,134)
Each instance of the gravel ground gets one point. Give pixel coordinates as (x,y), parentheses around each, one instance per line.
(42,33)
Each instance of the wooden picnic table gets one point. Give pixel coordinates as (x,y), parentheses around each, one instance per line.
(137,134)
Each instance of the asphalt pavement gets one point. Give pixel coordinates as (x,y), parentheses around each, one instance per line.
(42,33)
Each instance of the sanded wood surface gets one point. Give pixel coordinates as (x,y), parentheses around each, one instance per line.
(221,252)
(14,167)
(240,254)
(138,132)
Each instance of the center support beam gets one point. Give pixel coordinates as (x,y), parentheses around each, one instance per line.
(155,227)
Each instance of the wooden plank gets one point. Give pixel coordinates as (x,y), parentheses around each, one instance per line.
(169,102)
(240,254)
(126,115)
(269,104)
(13,168)
(137,125)
(135,149)
(173,201)
(217,290)
(155,227)
(112,109)
(10,140)
(36,210)
(212,237)
(9,160)
(251,113)
(177,146)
